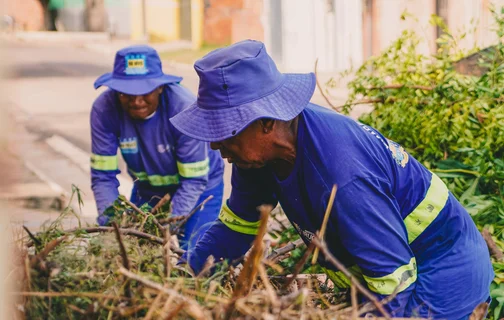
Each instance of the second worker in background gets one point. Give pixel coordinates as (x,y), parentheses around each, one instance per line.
(132,115)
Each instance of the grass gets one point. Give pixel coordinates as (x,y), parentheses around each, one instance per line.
(188,56)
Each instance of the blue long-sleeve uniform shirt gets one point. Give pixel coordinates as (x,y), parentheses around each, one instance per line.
(393,221)
(159,158)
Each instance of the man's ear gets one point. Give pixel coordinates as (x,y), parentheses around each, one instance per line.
(267,125)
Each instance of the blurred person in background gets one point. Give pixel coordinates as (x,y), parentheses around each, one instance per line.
(133,115)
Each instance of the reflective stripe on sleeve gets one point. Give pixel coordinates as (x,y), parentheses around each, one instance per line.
(155,179)
(235,223)
(104,163)
(404,275)
(194,169)
(435,199)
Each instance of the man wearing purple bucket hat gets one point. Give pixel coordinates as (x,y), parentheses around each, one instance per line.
(133,115)
(394,223)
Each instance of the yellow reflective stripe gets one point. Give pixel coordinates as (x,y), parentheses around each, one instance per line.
(235,223)
(156,180)
(104,163)
(193,169)
(340,280)
(435,199)
(404,276)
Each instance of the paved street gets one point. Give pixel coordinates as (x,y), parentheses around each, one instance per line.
(49,96)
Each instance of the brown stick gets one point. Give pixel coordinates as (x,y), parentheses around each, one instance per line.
(175,311)
(324,222)
(124,231)
(250,266)
(167,252)
(400,86)
(283,250)
(67,294)
(124,256)
(161,203)
(322,91)
(45,252)
(140,212)
(193,308)
(188,216)
(169,220)
(492,246)
(323,248)
(353,296)
(34,239)
(299,265)
(363,101)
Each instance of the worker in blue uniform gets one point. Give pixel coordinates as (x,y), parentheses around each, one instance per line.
(394,223)
(133,115)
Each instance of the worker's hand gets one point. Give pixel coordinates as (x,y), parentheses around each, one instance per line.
(104,219)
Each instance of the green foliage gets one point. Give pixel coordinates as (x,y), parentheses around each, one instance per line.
(451,122)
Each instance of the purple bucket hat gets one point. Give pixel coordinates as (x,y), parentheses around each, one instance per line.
(137,71)
(238,85)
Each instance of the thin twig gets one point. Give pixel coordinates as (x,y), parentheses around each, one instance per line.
(323,248)
(322,91)
(249,272)
(324,222)
(363,101)
(67,294)
(140,212)
(193,308)
(353,297)
(34,239)
(400,86)
(124,231)
(167,252)
(188,216)
(125,260)
(45,252)
(275,253)
(299,265)
(161,203)
(492,247)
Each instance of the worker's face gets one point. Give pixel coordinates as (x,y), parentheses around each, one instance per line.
(249,149)
(140,107)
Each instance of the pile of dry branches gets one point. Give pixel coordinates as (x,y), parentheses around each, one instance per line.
(125,272)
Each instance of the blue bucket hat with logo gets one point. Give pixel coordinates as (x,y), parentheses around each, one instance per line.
(137,71)
(238,85)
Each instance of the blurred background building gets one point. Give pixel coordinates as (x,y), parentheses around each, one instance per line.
(338,32)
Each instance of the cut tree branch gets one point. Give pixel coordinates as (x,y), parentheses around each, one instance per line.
(337,109)
(492,246)
(323,248)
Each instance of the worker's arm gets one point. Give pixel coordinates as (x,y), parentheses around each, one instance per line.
(232,234)
(193,168)
(104,168)
(372,230)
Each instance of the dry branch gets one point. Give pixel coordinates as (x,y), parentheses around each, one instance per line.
(193,308)
(188,216)
(45,252)
(323,228)
(275,253)
(323,248)
(322,91)
(161,203)
(124,256)
(492,246)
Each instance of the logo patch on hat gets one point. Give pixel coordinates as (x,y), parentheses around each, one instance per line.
(136,64)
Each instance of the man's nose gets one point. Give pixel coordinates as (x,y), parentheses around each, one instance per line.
(138,100)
